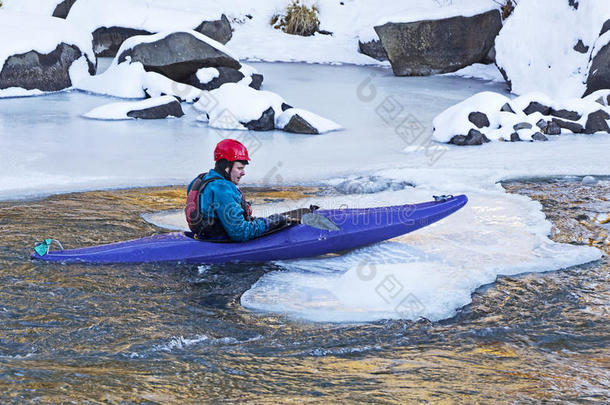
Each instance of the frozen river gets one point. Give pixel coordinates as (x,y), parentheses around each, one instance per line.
(48,147)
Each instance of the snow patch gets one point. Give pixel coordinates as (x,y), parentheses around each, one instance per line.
(206,75)
(137,14)
(536,45)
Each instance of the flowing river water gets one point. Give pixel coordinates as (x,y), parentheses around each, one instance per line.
(159,333)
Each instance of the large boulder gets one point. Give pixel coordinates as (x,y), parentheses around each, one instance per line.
(439,46)
(42,71)
(177,55)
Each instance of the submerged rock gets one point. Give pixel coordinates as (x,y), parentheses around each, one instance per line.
(370,185)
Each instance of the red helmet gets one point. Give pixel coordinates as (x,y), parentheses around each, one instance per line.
(231,150)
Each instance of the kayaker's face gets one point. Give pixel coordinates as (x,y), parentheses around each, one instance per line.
(237,172)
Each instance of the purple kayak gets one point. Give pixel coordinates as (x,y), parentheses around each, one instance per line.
(357,228)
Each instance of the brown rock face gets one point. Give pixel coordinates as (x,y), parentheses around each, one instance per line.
(439,46)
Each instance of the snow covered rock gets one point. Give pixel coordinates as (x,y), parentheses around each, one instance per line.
(111,22)
(546,42)
(490,116)
(130,80)
(176,55)
(439,46)
(304,122)
(152,108)
(43,53)
(235,106)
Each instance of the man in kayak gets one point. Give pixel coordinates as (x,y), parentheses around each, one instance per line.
(216,208)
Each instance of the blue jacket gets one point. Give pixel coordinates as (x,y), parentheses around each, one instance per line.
(221,199)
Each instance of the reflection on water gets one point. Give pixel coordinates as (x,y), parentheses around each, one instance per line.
(168,333)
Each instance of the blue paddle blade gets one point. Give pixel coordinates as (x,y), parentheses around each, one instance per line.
(319,221)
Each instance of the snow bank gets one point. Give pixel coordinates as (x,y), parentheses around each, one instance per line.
(118,111)
(138,14)
(41,7)
(536,45)
(124,80)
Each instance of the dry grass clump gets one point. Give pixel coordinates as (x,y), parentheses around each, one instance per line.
(299,19)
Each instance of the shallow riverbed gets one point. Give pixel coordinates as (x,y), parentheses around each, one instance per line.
(157,333)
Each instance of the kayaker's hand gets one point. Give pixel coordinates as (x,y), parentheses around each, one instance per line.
(276,221)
